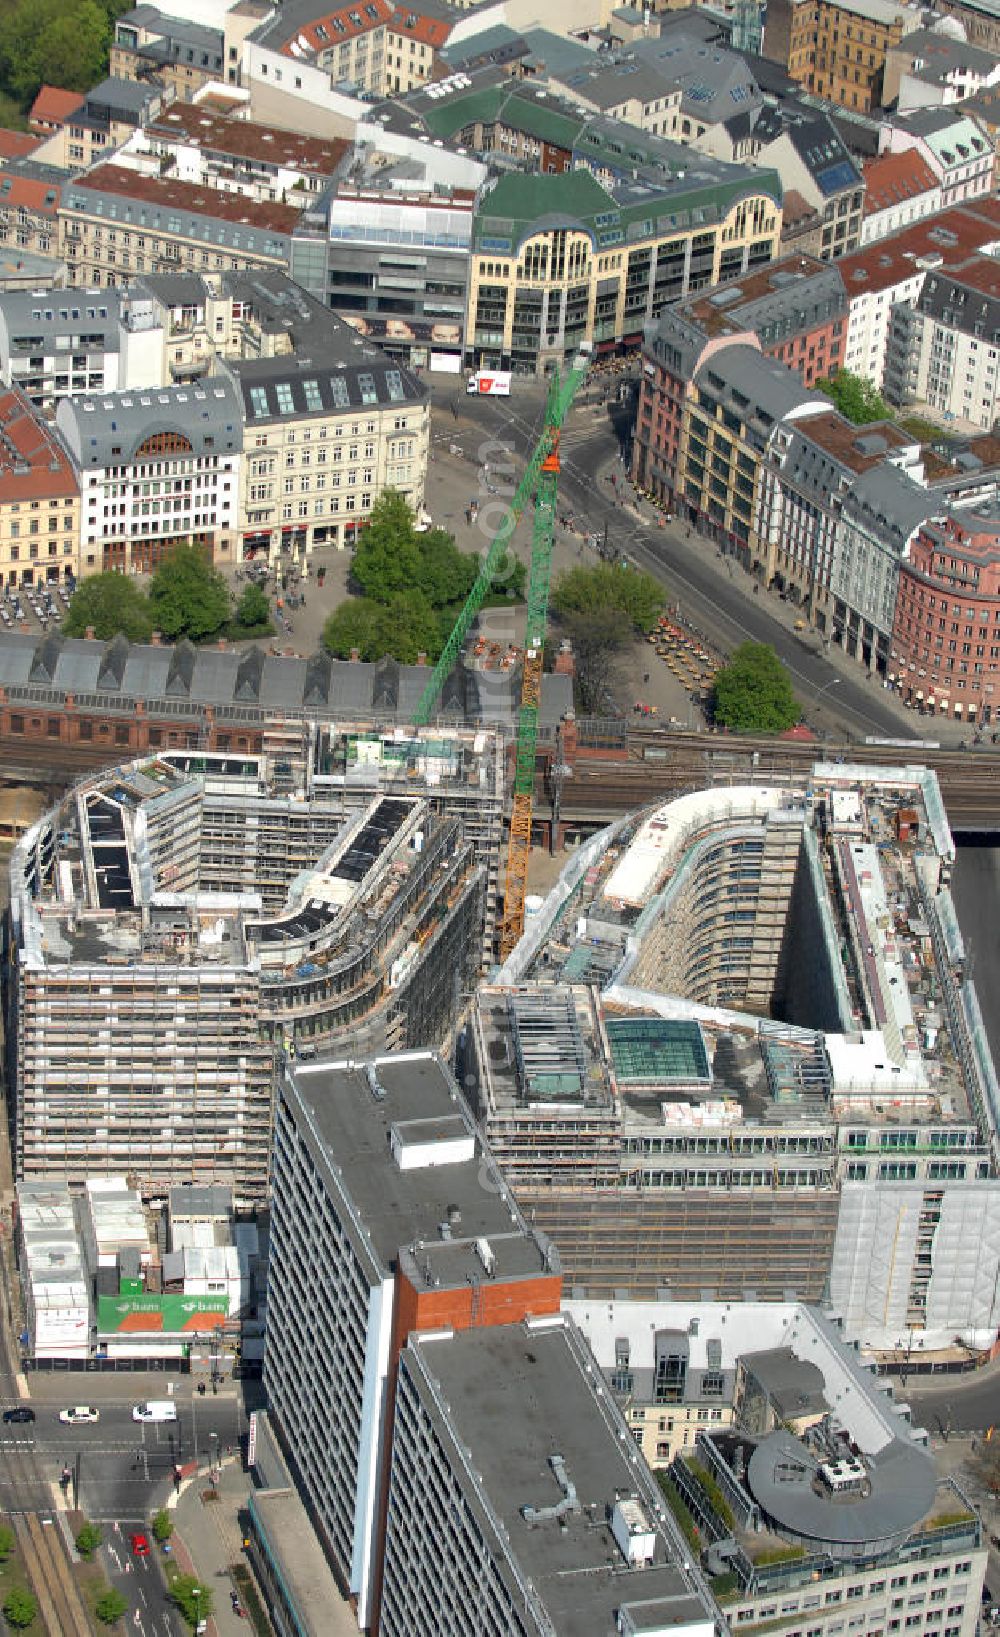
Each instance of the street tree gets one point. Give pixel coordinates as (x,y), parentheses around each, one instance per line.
(752,694)
(110,1606)
(194,1599)
(598,636)
(858,399)
(162,1525)
(20,1607)
(253,609)
(189,598)
(386,558)
(401,628)
(627,591)
(6,1542)
(444,573)
(88,1540)
(110,603)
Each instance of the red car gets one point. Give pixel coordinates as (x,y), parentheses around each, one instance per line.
(140,1546)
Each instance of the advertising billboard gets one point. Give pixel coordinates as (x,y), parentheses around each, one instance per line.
(173,1312)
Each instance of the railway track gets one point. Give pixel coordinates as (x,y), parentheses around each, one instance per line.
(657,762)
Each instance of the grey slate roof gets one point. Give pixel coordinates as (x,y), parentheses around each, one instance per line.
(890,505)
(960,306)
(185,679)
(26,316)
(759,390)
(106,430)
(274,388)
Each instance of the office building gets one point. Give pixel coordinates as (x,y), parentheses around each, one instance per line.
(389,1217)
(327,430)
(954,146)
(824,1500)
(737,400)
(178,926)
(115,223)
(900,189)
(156,470)
(55,345)
(536,1513)
(943,347)
(688,1106)
(945,653)
(39,500)
(797,311)
(560,261)
(804,478)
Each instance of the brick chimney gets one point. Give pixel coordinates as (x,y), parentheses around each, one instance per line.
(355,656)
(564,665)
(570,738)
(157,639)
(421,659)
(70,701)
(222,644)
(90,633)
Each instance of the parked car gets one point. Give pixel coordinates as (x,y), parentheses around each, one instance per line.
(20,1413)
(79,1415)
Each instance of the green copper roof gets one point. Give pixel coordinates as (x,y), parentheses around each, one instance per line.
(520,205)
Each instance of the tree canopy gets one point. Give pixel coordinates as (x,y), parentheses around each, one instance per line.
(253,609)
(857,399)
(412,586)
(110,1606)
(403,628)
(20,1607)
(189,597)
(624,590)
(54,42)
(752,693)
(194,1599)
(110,603)
(598,636)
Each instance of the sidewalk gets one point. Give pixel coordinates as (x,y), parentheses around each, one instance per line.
(911,724)
(207,1539)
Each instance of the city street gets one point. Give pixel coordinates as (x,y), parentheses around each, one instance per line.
(123,1468)
(713,591)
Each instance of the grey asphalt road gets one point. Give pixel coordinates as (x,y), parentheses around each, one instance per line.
(713,600)
(945,1404)
(125,1467)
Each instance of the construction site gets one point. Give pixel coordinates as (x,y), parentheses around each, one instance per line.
(737,1052)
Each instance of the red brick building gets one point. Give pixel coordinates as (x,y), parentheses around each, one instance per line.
(946,631)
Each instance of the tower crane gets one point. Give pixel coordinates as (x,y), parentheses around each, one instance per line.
(541,480)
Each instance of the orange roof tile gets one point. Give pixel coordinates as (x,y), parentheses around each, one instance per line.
(33,463)
(953,235)
(337,26)
(40,197)
(896,177)
(17,144)
(409,20)
(53,105)
(194,196)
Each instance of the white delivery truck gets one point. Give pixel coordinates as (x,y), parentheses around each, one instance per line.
(158,1409)
(489,383)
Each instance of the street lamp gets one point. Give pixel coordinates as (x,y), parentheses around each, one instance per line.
(833,683)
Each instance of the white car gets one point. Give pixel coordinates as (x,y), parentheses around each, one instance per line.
(79,1415)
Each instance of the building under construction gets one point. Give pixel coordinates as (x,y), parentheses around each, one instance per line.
(179,926)
(737,1052)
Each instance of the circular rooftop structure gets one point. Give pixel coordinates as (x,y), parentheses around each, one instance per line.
(840,1505)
